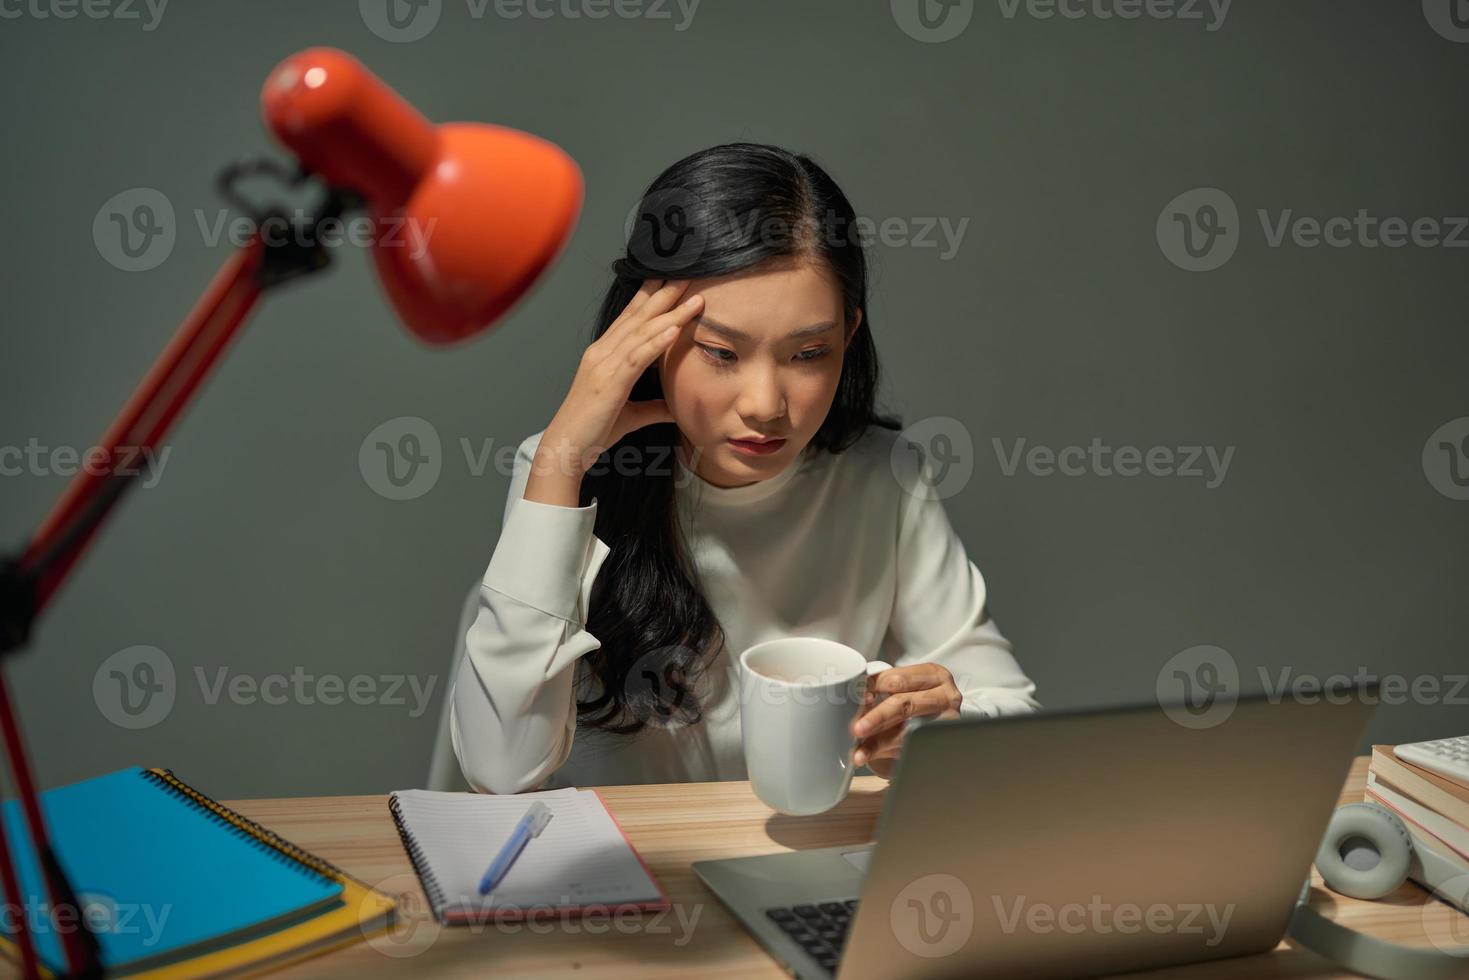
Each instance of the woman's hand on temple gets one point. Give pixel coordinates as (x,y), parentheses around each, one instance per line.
(596,412)
(893,696)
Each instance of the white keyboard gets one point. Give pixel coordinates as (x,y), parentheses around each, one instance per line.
(1448,757)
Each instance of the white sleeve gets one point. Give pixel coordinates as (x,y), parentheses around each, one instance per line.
(940,614)
(512,714)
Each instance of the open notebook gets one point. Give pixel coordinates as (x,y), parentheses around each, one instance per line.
(582,860)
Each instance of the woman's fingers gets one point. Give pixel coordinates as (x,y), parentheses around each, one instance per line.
(642,345)
(886,745)
(898,708)
(654,298)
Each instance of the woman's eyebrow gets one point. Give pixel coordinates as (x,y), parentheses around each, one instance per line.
(733,334)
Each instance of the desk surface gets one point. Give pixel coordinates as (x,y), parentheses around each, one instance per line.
(672,826)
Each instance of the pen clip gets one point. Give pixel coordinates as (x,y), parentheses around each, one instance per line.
(537,817)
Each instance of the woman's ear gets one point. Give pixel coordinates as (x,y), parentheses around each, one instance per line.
(852,327)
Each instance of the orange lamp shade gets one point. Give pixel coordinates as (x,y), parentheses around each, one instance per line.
(469,214)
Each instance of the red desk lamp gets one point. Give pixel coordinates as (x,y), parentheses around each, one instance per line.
(492,206)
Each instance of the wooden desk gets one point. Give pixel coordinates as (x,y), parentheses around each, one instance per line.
(672,826)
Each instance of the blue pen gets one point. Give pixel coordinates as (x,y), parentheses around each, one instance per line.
(530,825)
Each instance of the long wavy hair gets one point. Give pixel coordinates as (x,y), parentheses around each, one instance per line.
(716,212)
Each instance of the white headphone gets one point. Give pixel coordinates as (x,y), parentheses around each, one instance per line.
(1367,853)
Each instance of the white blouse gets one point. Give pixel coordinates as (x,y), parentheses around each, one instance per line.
(853,547)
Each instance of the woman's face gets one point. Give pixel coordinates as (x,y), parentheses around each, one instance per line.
(761,360)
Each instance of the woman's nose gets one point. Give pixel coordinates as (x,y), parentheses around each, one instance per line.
(762,399)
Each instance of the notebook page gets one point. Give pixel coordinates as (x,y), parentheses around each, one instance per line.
(580,858)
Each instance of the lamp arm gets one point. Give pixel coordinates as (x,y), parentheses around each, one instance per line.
(29,582)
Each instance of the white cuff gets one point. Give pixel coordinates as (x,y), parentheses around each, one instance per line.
(546,556)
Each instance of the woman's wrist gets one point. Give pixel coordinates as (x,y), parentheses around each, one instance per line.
(556,472)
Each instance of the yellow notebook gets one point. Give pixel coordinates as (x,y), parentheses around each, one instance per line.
(357,913)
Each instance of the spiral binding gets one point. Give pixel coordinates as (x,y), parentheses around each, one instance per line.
(431,886)
(268,841)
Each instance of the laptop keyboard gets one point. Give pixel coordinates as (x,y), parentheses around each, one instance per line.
(820,929)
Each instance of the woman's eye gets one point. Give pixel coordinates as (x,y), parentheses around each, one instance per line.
(717,354)
(813,353)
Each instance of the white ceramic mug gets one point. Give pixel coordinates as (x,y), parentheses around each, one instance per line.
(798,698)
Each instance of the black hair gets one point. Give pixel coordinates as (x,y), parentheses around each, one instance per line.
(716,212)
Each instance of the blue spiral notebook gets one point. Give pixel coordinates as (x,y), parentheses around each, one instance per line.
(159,877)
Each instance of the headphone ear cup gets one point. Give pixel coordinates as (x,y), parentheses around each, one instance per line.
(1366,852)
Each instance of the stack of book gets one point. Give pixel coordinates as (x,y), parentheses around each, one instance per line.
(173,883)
(1433,807)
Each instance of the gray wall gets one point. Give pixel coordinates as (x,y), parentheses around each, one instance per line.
(262,549)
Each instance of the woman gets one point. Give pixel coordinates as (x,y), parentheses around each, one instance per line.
(715,477)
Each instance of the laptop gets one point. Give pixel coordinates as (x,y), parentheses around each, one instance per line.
(1065,845)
